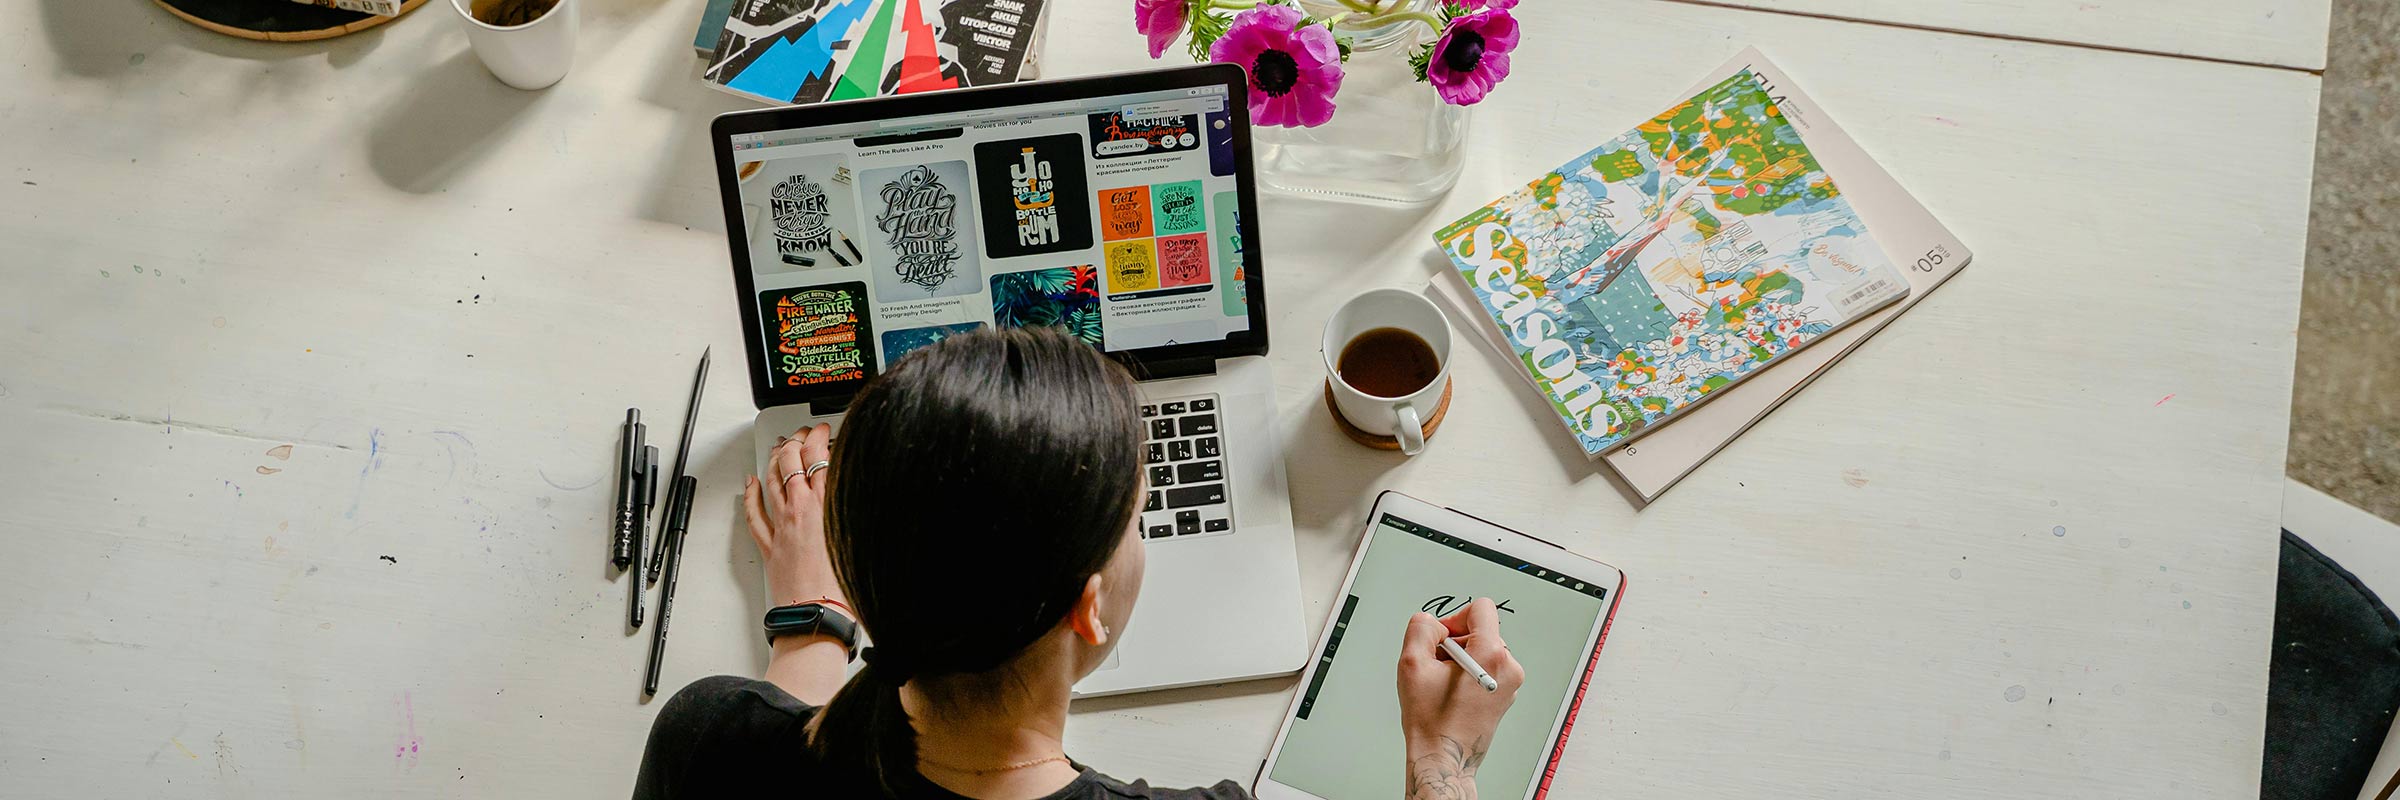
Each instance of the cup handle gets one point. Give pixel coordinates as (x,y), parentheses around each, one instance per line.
(1410,430)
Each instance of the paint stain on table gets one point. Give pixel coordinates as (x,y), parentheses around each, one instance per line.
(390,559)
(1857,478)
(2014,693)
(374,459)
(281,452)
(404,752)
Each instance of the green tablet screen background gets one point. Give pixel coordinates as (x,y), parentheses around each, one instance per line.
(1345,744)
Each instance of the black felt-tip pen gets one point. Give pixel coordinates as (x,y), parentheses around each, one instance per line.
(629,490)
(679,516)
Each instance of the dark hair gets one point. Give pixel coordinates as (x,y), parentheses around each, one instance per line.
(975,488)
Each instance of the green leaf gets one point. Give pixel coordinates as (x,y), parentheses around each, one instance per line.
(1341,43)
(1207,28)
(1418,61)
(1085,324)
(1451,11)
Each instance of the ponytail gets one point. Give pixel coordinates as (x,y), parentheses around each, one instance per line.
(865,727)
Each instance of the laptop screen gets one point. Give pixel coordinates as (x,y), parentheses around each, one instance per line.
(1115,216)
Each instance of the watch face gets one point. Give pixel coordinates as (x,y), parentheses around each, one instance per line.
(789,618)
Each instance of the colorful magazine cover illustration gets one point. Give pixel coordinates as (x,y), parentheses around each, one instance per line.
(803,51)
(1670,262)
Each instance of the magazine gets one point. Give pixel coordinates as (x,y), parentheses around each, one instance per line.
(1927,252)
(1669,264)
(805,51)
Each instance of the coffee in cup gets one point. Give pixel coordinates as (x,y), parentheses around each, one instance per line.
(1387,356)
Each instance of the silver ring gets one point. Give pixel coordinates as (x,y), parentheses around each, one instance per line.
(813,469)
(787,478)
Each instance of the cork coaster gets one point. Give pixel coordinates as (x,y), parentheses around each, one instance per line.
(1433,422)
(277,20)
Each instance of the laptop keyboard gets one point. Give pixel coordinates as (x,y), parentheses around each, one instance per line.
(1184,453)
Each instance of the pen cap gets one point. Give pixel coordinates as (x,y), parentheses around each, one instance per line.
(649,475)
(679,502)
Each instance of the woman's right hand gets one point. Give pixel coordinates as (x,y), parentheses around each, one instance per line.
(1446,717)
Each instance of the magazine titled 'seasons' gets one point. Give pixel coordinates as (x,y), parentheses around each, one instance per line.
(1671,263)
(1927,252)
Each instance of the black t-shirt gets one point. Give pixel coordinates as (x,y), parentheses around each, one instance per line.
(726,735)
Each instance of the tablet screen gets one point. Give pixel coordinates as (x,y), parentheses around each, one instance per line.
(1344,740)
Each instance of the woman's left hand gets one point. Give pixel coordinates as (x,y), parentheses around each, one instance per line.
(788,520)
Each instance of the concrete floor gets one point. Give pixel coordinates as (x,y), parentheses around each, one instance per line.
(2346,388)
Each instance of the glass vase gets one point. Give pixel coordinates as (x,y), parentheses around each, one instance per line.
(1391,141)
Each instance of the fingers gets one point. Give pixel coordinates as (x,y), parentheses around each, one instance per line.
(1477,628)
(772,498)
(786,457)
(753,506)
(807,446)
(817,447)
(1460,622)
(1423,640)
(1483,616)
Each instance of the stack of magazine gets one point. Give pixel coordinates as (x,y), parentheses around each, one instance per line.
(1668,289)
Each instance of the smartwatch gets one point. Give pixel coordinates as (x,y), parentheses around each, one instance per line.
(813,617)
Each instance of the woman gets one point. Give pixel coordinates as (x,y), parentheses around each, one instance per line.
(980,515)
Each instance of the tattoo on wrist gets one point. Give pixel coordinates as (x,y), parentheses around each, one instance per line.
(1447,771)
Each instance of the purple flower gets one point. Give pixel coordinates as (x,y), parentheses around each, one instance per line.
(1473,6)
(1162,21)
(1472,56)
(1294,70)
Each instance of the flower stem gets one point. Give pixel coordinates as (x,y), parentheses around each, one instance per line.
(1362,6)
(1430,20)
(1233,5)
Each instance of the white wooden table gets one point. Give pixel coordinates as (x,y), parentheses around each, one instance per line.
(311,359)
(2273,33)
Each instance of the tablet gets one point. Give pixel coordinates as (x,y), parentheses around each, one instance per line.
(1341,738)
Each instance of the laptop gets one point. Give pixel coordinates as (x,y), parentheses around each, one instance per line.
(1118,207)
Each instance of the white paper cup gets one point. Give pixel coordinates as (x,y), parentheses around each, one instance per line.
(529,56)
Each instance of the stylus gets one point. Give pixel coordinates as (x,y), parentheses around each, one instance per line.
(1465,662)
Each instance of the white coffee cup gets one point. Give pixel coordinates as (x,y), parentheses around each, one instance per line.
(529,56)
(1401,417)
